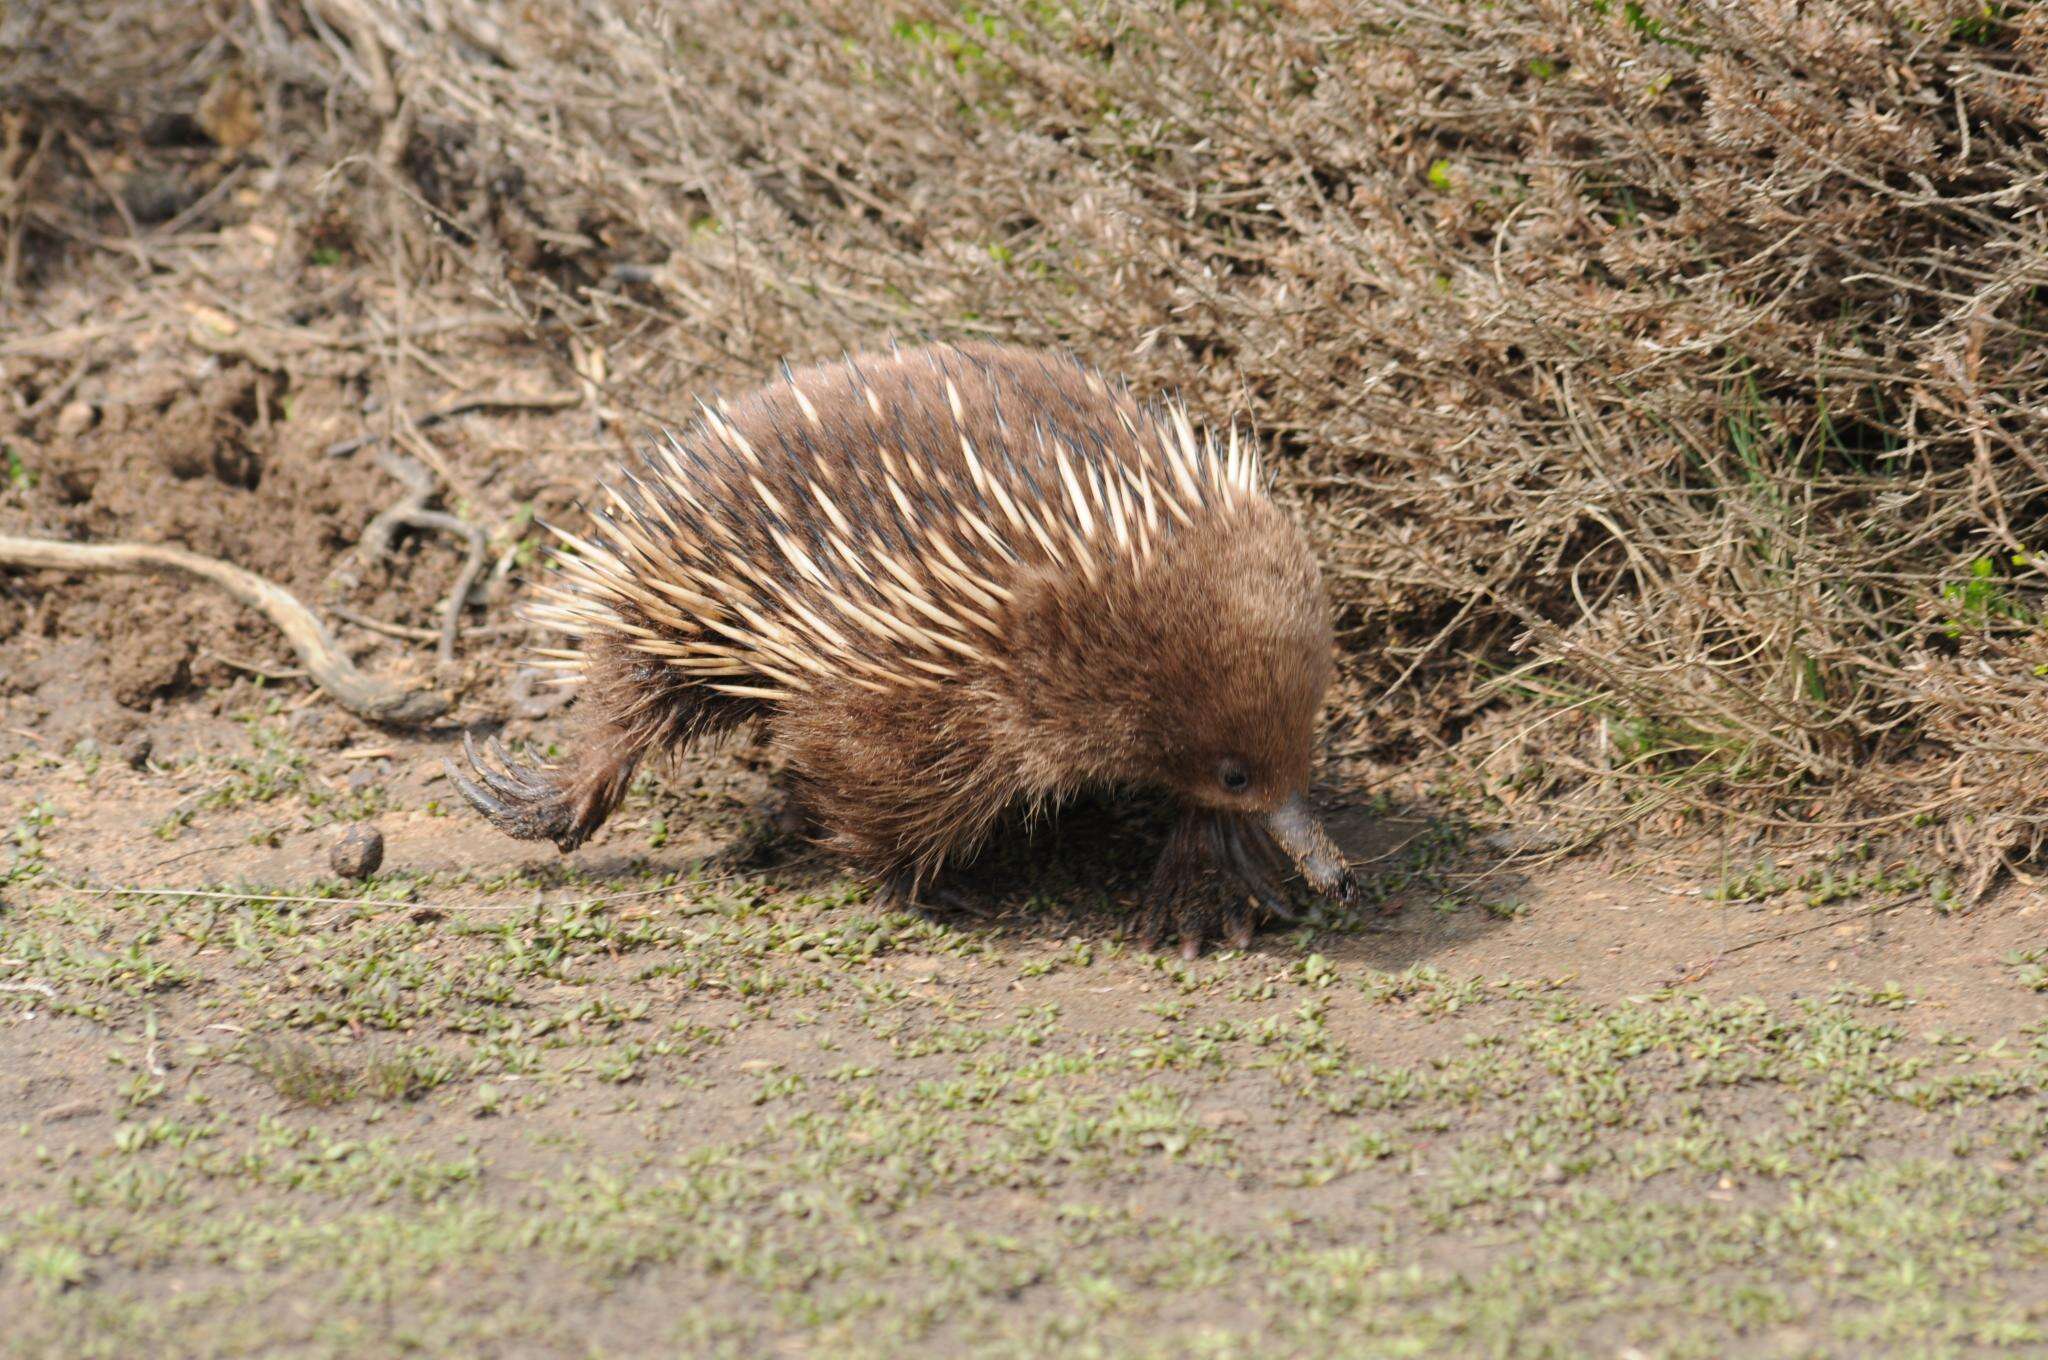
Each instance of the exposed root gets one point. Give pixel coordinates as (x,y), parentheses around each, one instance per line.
(410,511)
(325,664)
(410,634)
(525,703)
(462,406)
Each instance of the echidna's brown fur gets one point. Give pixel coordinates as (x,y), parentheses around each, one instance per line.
(954,580)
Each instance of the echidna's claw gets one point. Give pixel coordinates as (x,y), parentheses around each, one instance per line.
(514,772)
(489,805)
(1195,889)
(513,781)
(564,805)
(469,753)
(1255,876)
(1219,872)
(934,902)
(521,802)
(509,786)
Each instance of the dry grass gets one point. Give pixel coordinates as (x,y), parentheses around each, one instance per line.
(1664,379)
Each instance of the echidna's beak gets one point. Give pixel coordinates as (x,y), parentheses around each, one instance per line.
(1295,827)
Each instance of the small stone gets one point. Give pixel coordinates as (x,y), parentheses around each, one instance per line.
(359,853)
(153,197)
(1521,840)
(136,750)
(76,418)
(70,1109)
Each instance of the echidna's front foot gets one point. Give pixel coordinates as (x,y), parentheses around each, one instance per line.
(1219,871)
(1196,893)
(524,801)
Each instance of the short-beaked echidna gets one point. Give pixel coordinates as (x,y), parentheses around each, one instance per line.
(954,580)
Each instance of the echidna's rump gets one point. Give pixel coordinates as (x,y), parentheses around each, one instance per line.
(952,580)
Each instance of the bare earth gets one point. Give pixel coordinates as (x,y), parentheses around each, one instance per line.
(685,1093)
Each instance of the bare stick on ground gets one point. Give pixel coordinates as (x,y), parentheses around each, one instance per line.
(360,694)
(410,511)
(461,406)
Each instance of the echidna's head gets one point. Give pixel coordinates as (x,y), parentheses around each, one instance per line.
(1241,662)
(1202,672)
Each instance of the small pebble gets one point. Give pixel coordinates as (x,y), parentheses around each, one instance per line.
(70,1109)
(76,418)
(359,853)
(137,750)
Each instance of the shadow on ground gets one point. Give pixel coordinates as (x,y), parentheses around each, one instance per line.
(1426,881)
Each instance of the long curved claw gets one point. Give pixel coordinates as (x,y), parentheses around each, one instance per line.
(523,803)
(1255,877)
(483,768)
(1266,854)
(502,798)
(513,781)
(515,777)
(489,805)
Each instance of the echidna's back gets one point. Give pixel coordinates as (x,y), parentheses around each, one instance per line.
(864,522)
(862,431)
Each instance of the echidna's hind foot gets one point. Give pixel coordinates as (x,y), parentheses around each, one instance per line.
(530,803)
(1219,872)
(778,821)
(934,902)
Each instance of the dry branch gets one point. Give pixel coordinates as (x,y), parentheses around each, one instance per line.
(362,695)
(503,401)
(410,511)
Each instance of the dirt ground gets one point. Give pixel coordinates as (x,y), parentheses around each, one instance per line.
(687,1092)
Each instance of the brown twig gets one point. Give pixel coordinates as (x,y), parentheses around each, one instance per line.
(410,512)
(410,634)
(1782,935)
(461,406)
(362,695)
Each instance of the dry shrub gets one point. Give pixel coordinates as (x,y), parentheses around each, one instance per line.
(1664,376)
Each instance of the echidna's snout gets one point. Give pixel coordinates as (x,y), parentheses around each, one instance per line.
(1298,832)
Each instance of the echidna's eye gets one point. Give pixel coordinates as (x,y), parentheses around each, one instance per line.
(1233,776)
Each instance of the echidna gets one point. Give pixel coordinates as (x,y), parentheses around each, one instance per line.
(955,580)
